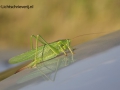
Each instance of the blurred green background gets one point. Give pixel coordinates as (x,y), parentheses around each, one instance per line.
(57,19)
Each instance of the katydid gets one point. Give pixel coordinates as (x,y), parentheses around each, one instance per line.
(43,53)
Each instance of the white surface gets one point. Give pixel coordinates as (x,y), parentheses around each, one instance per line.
(96,68)
(99,72)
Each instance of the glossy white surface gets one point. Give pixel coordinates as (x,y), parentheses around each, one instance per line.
(96,68)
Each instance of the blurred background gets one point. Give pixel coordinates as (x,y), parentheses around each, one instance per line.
(56,19)
(53,20)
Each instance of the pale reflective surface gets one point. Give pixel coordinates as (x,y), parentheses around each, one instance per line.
(96,68)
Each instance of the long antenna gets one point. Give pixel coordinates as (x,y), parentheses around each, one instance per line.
(88,34)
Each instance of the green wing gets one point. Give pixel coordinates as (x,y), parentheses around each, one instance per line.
(23,57)
(29,55)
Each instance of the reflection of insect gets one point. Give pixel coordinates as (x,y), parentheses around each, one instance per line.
(43,53)
(48,70)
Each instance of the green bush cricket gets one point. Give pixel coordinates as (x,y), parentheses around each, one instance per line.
(43,53)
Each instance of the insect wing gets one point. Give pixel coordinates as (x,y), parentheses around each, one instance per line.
(23,57)
(29,55)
